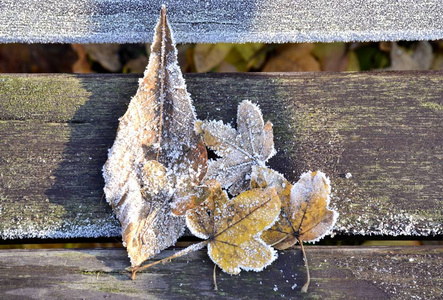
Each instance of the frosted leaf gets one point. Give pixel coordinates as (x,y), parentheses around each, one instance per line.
(251,144)
(263,177)
(310,206)
(191,198)
(156,154)
(305,214)
(233,227)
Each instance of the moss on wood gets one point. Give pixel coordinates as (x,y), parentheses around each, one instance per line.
(375,134)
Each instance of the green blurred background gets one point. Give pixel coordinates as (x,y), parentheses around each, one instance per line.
(249,57)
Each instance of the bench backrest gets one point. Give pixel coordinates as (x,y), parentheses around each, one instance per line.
(102,21)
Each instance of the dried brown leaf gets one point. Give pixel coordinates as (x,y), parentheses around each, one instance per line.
(156,155)
(82,64)
(226,67)
(189,199)
(105,54)
(419,59)
(232,228)
(333,57)
(136,65)
(251,144)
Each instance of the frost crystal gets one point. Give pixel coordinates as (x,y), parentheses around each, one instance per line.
(251,144)
(305,209)
(232,228)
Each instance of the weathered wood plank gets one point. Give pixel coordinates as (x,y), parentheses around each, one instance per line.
(379,136)
(336,273)
(212,21)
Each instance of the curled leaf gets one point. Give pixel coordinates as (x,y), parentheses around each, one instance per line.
(194,197)
(251,144)
(306,216)
(232,228)
(156,155)
(264,177)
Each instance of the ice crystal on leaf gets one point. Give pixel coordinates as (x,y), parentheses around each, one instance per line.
(251,144)
(157,158)
(305,214)
(232,228)
(157,169)
(264,177)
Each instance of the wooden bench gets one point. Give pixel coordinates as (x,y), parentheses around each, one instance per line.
(379,136)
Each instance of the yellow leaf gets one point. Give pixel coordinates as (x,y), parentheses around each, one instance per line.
(354,63)
(232,228)
(248,50)
(265,178)
(208,56)
(292,58)
(235,59)
(306,216)
(251,54)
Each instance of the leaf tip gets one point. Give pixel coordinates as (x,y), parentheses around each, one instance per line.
(163,10)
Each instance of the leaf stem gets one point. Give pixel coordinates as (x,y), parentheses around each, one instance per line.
(280,240)
(189,249)
(162,72)
(304,289)
(215,278)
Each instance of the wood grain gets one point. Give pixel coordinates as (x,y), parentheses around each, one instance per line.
(336,273)
(379,136)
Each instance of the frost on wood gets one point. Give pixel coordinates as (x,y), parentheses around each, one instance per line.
(233,227)
(219,21)
(156,155)
(251,144)
(305,214)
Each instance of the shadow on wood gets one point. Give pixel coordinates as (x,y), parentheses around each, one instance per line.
(377,135)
